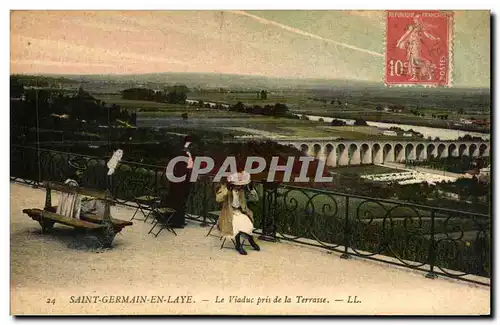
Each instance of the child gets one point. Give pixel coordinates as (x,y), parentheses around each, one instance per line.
(236,219)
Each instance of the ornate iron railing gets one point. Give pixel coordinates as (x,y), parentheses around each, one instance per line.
(438,241)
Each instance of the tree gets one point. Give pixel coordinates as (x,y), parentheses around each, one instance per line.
(336,122)
(256,109)
(263,95)
(133,119)
(136,94)
(280,109)
(239,107)
(16,88)
(360,122)
(176,97)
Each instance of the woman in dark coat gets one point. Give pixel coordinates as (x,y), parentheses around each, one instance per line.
(178,193)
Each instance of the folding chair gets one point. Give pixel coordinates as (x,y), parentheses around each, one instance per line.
(234,243)
(162,218)
(214,218)
(145,202)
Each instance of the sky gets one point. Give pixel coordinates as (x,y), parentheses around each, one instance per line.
(288,44)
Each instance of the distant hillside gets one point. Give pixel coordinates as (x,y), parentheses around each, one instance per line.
(209,80)
(242,82)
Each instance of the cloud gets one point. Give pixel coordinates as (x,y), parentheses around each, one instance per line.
(60,63)
(307,34)
(69,51)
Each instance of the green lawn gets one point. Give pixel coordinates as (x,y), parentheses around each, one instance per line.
(130,104)
(295,98)
(364,170)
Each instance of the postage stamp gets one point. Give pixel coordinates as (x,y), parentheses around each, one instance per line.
(418,48)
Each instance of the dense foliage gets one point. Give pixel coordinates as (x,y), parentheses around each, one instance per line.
(172,95)
(58,110)
(452,164)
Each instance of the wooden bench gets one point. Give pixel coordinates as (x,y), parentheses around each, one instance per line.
(104,226)
(118,224)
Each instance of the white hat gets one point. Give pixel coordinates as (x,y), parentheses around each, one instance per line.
(239,179)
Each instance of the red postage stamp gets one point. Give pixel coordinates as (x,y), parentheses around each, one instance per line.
(418,47)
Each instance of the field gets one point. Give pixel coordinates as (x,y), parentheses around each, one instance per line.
(161,114)
(357,171)
(352,105)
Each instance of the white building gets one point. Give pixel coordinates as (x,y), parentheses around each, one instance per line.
(191,101)
(390,133)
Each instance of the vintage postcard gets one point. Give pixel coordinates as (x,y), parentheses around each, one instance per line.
(250,162)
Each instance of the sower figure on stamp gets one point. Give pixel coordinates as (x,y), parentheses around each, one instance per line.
(236,219)
(416,57)
(179,192)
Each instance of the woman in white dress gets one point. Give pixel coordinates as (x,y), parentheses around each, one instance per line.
(236,219)
(69,203)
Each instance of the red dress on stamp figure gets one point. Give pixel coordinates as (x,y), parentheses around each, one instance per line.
(418,47)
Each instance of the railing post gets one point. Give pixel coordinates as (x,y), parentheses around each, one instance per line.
(268,222)
(109,184)
(432,249)
(190,200)
(48,197)
(37,182)
(263,209)
(155,189)
(204,209)
(346,255)
(275,209)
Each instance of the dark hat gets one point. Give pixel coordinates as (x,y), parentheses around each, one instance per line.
(187,138)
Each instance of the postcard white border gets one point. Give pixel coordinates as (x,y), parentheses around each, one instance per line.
(186,4)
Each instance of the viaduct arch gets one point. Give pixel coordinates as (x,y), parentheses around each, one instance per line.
(358,152)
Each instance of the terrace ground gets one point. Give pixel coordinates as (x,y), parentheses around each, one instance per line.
(55,266)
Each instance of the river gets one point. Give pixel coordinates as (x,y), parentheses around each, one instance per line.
(426,131)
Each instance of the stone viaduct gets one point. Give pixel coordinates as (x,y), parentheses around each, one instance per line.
(359,152)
